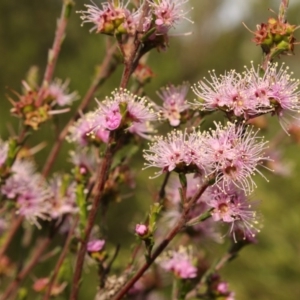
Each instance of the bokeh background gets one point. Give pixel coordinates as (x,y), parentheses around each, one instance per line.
(268,270)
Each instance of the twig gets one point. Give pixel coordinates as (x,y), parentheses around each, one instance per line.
(130,61)
(160,196)
(54,51)
(102,177)
(12,231)
(162,191)
(105,70)
(163,244)
(283,10)
(132,53)
(60,260)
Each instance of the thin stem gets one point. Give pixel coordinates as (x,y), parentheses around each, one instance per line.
(60,260)
(22,136)
(162,191)
(160,196)
(126,73)
(105,70)
(130,58)
(102,177)
(163,244)
(175,289)
(226,258)
(12,231)
(283,10)
(55,50)
(132,51)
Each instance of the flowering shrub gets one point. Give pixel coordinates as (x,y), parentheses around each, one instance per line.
(207,169)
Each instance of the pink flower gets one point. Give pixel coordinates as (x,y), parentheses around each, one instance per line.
(231,153)
(63,197)
(232,206)
(177,152)
(58,93)
(250,94)
(281,89)
(234,153)
(83,131)
(220,288)
(112,18)
(229,93)
(95,245)
(167,13)
(29,190)
(124,110)
(110,116)
(174,102)
(179,263)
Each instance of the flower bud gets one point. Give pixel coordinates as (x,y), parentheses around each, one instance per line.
(141,230)
(95,246)
(95,249)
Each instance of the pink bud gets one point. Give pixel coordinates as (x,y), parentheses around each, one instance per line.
(83,170)
(141,229)
(95,245)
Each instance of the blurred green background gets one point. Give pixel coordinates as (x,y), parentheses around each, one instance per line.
(268,270)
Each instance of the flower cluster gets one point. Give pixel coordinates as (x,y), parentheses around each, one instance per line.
(275,37)
(34,198)
(179,151)
(167,13)
(174,102)
(232,207)
(214,167)
(114,17)
(231,154)
(248,95)
(29,191)
(83,131)
(229,205)
(36,105)
(122,111)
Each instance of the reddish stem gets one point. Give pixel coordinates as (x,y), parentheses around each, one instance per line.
(131,57)
(162,245)
(54,51)
(102,177)
(105,70)
(12,231)
(158,199)
(132,50)
(60,260)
